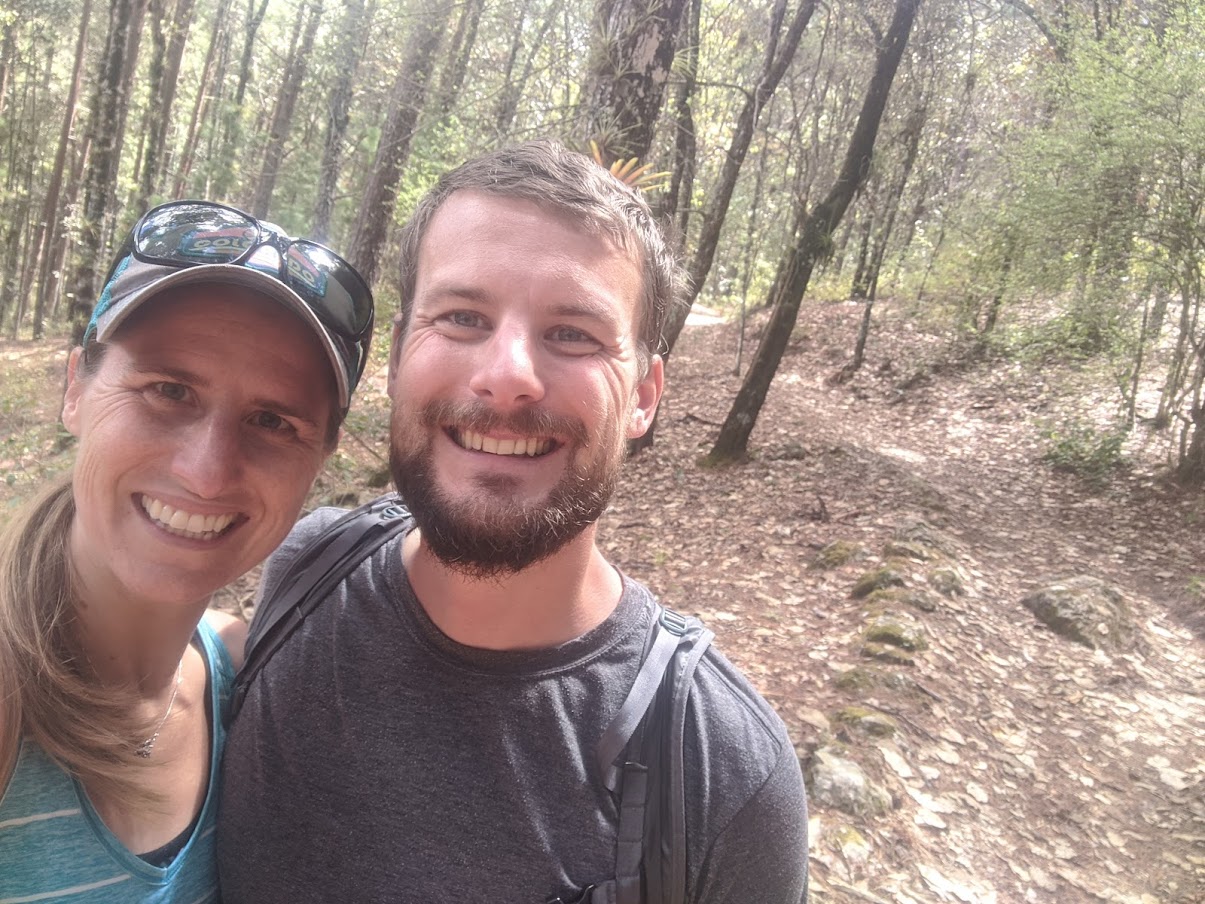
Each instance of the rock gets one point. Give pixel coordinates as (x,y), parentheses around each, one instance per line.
(1084,609)
(887,653)
(904,549)
(922,534)
(838,553)
(837,782)
(859,680)
(867,722)
(882,600)
(892,629)
(948,582)
(878,579)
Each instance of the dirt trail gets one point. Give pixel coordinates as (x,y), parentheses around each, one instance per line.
(1024,767)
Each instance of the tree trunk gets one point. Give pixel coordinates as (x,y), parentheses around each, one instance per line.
(108,111)
(860,286)
(406,104)
(286,102)
(231,142)
(813,242)
(630,60)
(353,37)
(164,78)
(676,203)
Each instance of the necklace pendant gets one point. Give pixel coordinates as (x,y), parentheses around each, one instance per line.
(144,749)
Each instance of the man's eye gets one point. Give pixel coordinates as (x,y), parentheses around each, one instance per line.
(174,392)
(572,337)
(468,319)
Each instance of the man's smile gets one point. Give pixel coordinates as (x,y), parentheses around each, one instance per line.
(530,446)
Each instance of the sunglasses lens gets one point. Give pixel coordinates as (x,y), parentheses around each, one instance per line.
(333,289)
(195,234)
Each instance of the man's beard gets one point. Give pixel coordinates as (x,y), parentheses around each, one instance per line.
(491,534)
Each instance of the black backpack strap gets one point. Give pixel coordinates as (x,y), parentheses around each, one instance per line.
(652,715)
(313,574)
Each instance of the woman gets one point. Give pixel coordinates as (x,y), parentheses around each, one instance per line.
(207,393)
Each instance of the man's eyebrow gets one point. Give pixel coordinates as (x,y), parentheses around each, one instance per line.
(457,290)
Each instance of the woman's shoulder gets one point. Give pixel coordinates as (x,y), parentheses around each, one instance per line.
(231,631)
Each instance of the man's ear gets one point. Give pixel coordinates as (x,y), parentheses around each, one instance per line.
(647,396)
(75,388)
(395,352)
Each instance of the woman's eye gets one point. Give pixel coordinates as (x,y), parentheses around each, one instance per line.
(572,336)
(270,420)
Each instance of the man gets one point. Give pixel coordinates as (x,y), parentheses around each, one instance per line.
(428,733)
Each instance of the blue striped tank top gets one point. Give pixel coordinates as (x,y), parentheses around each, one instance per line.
(54,847)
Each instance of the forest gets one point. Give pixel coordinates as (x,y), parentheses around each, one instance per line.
(1027,178)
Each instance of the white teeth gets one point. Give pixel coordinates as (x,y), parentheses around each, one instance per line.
(186,524)
(530,446)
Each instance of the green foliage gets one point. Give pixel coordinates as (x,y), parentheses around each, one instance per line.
(1083,449)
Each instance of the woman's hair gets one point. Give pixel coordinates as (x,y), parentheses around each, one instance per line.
(48,691)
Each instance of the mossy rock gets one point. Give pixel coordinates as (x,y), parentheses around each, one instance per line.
(838,553)
(878,579)
(867,721)
(886,653)
(1084,609)
(948,582)
(895,632)
(861,679)
(881,601)
(921,533)
(905,549)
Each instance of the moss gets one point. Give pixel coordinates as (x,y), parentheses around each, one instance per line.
(838,553)
(878,579)
(856,680)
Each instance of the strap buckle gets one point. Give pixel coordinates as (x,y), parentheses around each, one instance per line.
(674,623)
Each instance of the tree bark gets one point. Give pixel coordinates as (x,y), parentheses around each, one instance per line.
(408,98)
(813,243)
(631,56)
(512,89)
(451,79)
(676,202)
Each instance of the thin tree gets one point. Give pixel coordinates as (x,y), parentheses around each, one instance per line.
(47,283)
(814,236)
(405,107)
(170,32)
(286,103)
(108,112)
(352,40)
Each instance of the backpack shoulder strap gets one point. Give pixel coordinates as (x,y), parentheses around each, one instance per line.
(653,717)
(316,570)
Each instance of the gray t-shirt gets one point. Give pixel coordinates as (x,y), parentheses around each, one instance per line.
(376,759)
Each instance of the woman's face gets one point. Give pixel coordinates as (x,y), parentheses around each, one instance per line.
(200,432)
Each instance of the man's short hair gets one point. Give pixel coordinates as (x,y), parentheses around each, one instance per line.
(564,181)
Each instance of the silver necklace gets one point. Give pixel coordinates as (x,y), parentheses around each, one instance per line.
(144,749)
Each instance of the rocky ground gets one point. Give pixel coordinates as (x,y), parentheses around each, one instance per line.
(958,748)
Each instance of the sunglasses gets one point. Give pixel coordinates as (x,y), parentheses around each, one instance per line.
(195,233)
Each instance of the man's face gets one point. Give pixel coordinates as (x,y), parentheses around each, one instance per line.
(515,383)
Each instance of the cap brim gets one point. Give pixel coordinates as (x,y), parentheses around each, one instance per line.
(229,274)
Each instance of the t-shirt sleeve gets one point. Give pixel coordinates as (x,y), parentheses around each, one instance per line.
(762,854)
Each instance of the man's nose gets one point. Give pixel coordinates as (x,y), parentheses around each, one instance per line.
(209,458)
(507,372)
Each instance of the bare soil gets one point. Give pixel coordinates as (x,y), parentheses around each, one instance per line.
(1024,767)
